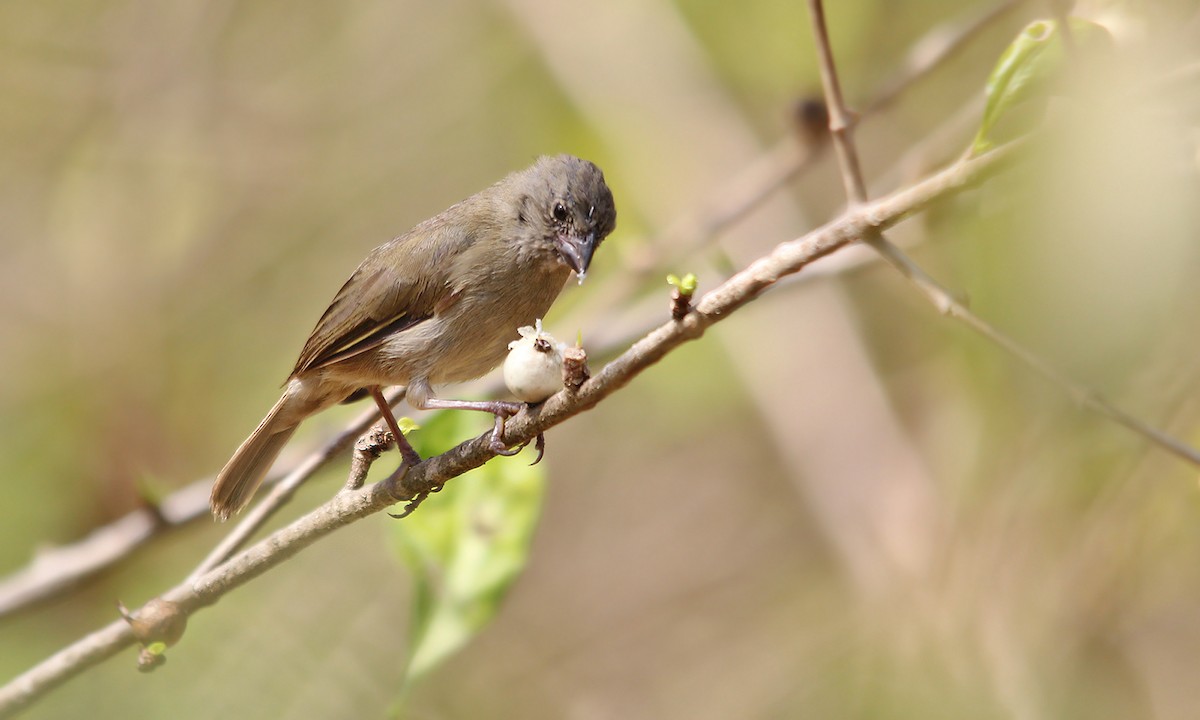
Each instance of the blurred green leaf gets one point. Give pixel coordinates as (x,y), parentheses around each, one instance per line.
(1026,67)
(150,489)
(686,284)
(465,545)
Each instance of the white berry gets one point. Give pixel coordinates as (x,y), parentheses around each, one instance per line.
(533,368)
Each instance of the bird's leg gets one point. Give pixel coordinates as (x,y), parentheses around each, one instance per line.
(499,408)
(406,450)
(420,396)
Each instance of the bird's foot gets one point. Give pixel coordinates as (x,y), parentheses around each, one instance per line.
(497,444)
(540,446)
(503,411)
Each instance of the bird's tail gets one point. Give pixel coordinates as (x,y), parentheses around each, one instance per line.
(244,472)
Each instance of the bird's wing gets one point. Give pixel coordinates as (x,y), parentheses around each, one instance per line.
(398,286)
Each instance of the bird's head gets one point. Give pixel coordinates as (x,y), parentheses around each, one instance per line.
(566,208)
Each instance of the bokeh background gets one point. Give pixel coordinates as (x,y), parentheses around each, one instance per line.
(836,504)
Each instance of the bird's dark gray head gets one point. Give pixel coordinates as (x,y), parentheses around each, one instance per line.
(567,205)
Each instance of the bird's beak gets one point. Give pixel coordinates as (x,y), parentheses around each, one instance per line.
(576,252)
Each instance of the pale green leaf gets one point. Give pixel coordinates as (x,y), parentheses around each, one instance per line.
(686,284)
(1026,67)
(465,545)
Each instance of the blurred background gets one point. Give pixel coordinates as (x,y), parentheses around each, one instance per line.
(836,504)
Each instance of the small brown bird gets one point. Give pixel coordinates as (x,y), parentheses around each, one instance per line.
(438,304)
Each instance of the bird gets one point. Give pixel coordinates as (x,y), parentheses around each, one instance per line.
(437,304)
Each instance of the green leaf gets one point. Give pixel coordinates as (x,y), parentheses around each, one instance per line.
(150,490)
(465,545)
(686,284)
(1026,68)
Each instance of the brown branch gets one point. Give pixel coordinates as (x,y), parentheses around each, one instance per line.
(864,221)
(283,491)
(351,505)
(54,570)
(841,120)
(787,159)
(57,569)
(841,127)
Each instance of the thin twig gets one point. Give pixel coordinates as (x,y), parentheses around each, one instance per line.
(283,491)
(842,130)
(841,120)
(781,163)
(56,569)
(751,187)
(348,506)
(934,49)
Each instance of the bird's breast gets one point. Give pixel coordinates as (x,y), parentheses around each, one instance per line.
(469,334)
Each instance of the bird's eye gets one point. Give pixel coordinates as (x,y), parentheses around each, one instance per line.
(560,212)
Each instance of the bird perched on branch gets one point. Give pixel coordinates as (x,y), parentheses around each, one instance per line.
(438,304)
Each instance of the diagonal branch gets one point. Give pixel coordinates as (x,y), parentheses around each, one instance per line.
(352,505)
(282,492)
(57,569)
(841,127)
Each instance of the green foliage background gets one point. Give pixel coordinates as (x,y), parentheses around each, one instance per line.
(837,504)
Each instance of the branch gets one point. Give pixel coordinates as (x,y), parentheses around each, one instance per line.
(57,569)
(428,476)
(788,158)
(841,127)
(279,496)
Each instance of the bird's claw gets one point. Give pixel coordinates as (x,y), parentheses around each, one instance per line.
(497,443)
(415,503)
(540,446)
(500,448)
